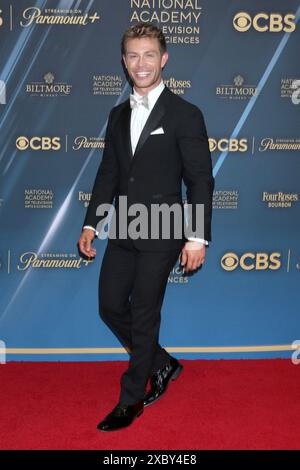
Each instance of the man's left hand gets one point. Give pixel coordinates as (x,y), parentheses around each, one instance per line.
(192,255)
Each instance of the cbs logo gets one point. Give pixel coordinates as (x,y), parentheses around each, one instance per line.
(230,145)
(262,22)
(250,261)
(1,19)
(38,143)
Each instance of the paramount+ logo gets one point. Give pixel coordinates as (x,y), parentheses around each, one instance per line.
(263,22)
(38,143)
(251,261)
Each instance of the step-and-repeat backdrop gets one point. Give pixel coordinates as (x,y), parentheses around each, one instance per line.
(61,73)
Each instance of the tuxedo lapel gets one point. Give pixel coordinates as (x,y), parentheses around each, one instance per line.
(125,127)
(152,122)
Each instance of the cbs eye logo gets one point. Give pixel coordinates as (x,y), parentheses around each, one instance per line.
(242,22)
(262,22)
(1,19)
(22,143)
(38,143)
(251,261)
(230,261)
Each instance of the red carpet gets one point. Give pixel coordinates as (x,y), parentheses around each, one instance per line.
(250,404)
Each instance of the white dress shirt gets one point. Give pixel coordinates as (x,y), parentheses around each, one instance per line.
(139,116)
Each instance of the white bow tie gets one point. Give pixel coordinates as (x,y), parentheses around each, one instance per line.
(135,101)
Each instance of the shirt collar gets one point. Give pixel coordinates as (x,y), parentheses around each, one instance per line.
(153,95)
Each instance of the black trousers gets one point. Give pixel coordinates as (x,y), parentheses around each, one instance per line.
(131,291)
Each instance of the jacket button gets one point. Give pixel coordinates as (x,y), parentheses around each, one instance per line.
(131,179)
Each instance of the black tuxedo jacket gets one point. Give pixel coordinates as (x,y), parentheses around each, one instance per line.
(154,174)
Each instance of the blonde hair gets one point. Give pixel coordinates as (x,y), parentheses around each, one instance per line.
(144,30)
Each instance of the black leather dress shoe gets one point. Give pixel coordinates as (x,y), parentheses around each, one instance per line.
(121,417)
(160,380)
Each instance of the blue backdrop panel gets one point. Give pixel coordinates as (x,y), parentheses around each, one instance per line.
(61,73)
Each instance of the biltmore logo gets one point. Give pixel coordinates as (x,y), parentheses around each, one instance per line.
(251,261)
(49,87)
(238,90)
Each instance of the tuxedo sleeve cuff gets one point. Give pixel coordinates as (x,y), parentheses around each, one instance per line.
(200,240)
(91,228)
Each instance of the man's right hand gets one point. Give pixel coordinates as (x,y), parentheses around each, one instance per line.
(85,243)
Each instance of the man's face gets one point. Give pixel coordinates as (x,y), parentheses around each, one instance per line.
(144,62)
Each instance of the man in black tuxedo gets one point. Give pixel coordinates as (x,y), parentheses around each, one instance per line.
(154,140)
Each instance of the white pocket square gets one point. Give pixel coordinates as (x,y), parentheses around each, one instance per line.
(159,130)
